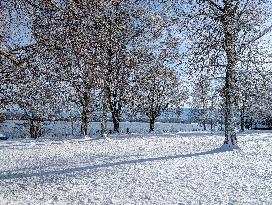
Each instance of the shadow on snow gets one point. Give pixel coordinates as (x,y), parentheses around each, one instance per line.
(107,165)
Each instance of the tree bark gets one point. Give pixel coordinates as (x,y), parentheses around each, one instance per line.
(32,129)
(230,133)
(151,124)
(115,108)
(85,114)
(242,119)
(116,122)
(35,128)
(204,125)
(85,121)
(229,33)
(72,126)
(104,123)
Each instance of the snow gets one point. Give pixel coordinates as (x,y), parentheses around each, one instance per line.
(64,129)
(145,169)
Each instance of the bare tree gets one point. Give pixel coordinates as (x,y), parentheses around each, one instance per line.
(159,89)
(69,38)
(219,33)
(117,36)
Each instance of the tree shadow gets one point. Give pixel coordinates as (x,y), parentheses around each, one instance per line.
(38,143)
(3,146)
(112,164)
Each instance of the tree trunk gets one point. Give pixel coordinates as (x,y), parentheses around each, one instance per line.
(35,128)
(85,121)
(85,103)
(32,128)
(242,119)
(104,123)
(251,123)
(151,124)
(116,122)
(115,107)
(230,133)
(229,33)
(72,126)
(204,125)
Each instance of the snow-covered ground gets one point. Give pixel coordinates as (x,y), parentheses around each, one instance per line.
(64,129)
(183,168)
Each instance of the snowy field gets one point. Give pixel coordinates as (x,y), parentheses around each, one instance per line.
(183,168)
(62,129)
